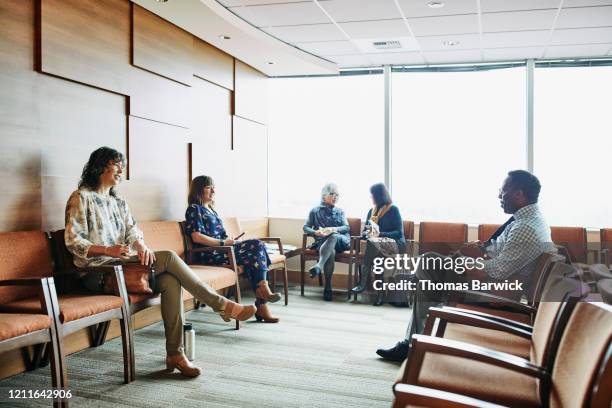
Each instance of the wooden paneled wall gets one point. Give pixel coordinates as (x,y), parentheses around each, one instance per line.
(79,74)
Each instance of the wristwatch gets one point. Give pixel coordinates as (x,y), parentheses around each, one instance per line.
(221,242)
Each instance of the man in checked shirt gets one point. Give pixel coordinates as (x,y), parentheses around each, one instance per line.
(513,250)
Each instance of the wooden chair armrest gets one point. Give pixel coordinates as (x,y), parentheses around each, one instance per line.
(411,245)
(455,316)
(484,297)
(422,344)
(305,237)
(414,395)
(274,239)
(500,319)
(90,269)
(23,282)
(355,248)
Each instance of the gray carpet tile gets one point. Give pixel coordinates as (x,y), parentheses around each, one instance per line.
(321,354)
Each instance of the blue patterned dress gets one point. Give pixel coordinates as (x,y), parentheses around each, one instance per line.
(251,254)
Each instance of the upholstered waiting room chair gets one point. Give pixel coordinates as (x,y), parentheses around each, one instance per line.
(279,260)
(574,239)
(20,330)
(581,375)
(485,231)
(347,257)
(441,237)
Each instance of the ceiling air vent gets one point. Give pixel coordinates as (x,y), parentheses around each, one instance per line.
(386,45)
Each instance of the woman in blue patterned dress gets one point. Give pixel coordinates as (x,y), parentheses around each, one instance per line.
(205,227)
(328,224)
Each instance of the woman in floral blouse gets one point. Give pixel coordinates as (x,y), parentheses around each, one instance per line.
(100,229)
(205,227)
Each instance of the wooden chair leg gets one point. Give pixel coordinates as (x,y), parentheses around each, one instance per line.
(237,295)
(302,272)
(349,281)
(286,283)
(128,349)
(57,373)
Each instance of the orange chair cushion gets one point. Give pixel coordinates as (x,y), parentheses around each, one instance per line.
(517,317)
(13,324)
(605,236)
(139,297)
(478,380)
(216,276)
(24,254)
(492,339)
(573,238)
(485,231)
(163,235)
(72,307)
(441,237)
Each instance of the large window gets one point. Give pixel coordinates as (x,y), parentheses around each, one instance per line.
(322,130)
(455,137)
(573,144)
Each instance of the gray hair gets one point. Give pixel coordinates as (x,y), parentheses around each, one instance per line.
(328,189)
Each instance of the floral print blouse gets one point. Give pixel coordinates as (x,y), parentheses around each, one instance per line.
(95,219)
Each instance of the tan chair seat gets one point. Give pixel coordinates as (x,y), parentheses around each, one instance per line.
(13,324)
(517,317)
(493,339)
(217,277)
(277,258)
(478,380)
(72,307)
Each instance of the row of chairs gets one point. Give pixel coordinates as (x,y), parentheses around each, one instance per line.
(445,237)
(41,302)
(555,350)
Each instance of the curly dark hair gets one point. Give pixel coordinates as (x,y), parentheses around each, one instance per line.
(97,164)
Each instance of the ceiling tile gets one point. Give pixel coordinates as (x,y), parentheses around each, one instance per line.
(515,39)
(350,61)
(518,20)
(444,25)
(585,17)
(437,43)
(316,32)
(397,58)
(282,14)
(382,30)
(582,36)
(583,3)
(512,54)
(361,10)
(488,6)
(233,3)
(435,57)
(573,51)
(329,48)
(412,8)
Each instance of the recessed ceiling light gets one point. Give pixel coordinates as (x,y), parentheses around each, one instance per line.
(225,37)
(270,62)
(161,1)
(451,43)
(435,4)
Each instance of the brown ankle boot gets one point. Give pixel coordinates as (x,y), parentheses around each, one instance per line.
(181,363)
(263,292)
(233,310)
(263,314)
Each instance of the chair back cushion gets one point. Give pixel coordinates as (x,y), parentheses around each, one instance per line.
(584,352)
(605,237)
(24,254)
(572,238)
(485,231)
(409,229)
(354,226)
(232,226)
(441,237)
(163,235)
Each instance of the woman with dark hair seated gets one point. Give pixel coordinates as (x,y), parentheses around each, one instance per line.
(205,227)
(328,224)
(100,229)
(384,232)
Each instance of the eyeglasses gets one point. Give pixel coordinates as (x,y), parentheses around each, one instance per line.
(334,194)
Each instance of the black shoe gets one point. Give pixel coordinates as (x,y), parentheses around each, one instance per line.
(358,289)
(327,294)
(397,353)
(314,271)
(380,299)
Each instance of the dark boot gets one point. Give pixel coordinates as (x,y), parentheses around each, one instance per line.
(380,294)
(399,352)
(363,283)
(327,292)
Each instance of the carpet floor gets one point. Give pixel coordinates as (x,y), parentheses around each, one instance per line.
(321,354)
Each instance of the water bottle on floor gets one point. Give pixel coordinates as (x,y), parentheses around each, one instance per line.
(189,341)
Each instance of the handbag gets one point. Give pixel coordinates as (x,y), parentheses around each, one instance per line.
(139,279)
